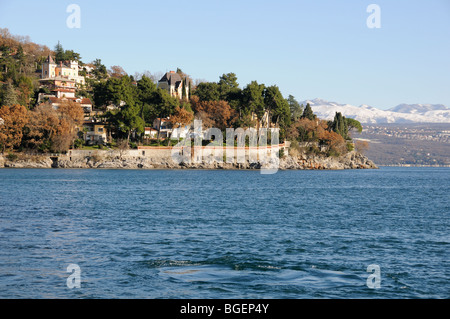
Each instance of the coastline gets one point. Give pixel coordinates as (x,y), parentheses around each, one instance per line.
(116,160)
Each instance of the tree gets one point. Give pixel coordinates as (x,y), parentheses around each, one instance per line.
(115,91)
(117,72)
(308,113)
(207,91)
(227,85)
(60,55)
(295,108)
(70,55)
(189,90)
(70,116)
(71,111)
(183,90)
(181,73)
(42,124)
(361,146)
(25,90)
(51,129)
(10,95)
(333,142)
(99,71)
(304,130)
(146,89)
(122,147)
(316,132)
(164,105)
(14,118)
(253,99)
(129,120)
(181,117)
(276,106)
(353,124)
(339,125)
(215,114)
(278,110)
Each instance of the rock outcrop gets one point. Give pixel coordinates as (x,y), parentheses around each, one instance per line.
(27,162)
(351,160)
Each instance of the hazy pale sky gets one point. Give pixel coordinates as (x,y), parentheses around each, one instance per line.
(310,49)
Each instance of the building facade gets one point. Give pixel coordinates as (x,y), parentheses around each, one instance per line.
(68,70)
(175,85)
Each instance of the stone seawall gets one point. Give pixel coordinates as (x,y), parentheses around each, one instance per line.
(160,158)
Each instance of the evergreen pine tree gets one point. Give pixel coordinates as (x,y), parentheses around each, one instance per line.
(308,113)
(60,54)
(10,95)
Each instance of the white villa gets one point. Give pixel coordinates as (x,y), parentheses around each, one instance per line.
(51,70)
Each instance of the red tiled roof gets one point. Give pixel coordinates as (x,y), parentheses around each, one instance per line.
(54,99)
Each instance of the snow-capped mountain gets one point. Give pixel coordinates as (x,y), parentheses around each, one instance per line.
(418,108)
(403,113)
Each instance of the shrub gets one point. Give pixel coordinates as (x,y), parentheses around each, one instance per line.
(12,157)
(350,146)
(78,143)
(294,149)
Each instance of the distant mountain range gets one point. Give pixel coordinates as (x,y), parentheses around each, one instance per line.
(403,113)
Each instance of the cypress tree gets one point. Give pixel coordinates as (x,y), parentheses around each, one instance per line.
(189,92)
(308,113)
(183,89)
(339,125)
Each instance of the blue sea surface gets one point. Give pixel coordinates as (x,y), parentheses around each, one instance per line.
(225,233)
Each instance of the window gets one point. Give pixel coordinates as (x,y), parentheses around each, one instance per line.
(100,129)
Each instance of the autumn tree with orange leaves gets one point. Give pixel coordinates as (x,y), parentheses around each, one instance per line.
(41,128)
(217,114)
(13,120)
(117,71)
(71,117)
(317,132)
(181,117)
(51,129)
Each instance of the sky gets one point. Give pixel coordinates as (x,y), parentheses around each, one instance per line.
(309,49)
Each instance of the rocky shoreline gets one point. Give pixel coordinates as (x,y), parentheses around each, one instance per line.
(351,160)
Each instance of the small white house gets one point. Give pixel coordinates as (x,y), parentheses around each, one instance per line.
(150,132)
(166,127)
(180,132)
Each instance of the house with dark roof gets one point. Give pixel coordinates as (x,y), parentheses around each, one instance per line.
(174,84)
